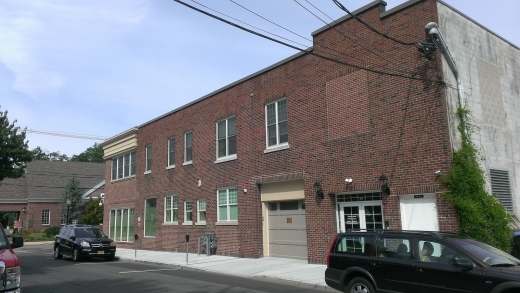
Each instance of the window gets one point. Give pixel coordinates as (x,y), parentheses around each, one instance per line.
(171,152)
(63,219)
(46,217)
(150,217)
(395,248)
(121,227)
(276,118)
(226,137)
(201,210)
(188,147)
(148,150)
(123,166)
(501,188)
(188,212)
(360,245)
(227,205)
(171,209)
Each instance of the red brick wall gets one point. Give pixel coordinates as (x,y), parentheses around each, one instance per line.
(343,123)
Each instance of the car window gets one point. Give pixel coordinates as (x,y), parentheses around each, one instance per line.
(3,240)
(486,253)
(349,244)
(436,252)
(394,247)
(89,233)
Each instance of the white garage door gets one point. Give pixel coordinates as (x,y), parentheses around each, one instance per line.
(419,212)
(287,229)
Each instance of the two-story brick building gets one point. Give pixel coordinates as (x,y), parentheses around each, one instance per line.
(278,162)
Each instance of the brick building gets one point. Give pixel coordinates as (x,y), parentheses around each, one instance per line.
(278,162)
(36,196)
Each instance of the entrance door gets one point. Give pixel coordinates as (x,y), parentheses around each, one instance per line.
(361,215)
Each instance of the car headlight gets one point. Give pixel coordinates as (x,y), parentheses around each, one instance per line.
(85,244)
(112,244)
(12,277)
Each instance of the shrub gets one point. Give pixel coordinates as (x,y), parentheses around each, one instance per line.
(52,231)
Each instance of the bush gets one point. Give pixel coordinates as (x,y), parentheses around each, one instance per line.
(52,231)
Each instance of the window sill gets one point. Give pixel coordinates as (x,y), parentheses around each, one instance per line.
(122,179)
(150,237)
(187,223)
(276,148)
(226,159)
(147,172)
(171,224)
(170,167)
(200,224)
(230,223)
(187,163)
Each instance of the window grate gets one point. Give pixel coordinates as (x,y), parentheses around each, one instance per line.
(501,188)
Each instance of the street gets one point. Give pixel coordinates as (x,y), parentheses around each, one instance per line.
(41,273)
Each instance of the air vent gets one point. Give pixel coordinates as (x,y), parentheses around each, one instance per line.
(501,188)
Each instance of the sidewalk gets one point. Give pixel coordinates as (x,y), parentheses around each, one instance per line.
(294,270)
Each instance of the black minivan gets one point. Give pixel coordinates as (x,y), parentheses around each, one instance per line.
(82,241)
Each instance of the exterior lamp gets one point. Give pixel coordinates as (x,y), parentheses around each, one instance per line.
(318,190)
(23,210)
(68,206)
(385,189)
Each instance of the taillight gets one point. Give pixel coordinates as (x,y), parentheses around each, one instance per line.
(331,249)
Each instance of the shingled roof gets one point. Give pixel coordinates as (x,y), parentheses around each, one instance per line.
(48,179)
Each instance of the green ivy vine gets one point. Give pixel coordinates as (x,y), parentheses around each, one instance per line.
(481,215)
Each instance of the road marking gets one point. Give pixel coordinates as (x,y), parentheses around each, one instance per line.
(145,271)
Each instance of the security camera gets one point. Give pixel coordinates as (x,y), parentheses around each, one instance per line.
(437,173)
(102,195)
(348,180)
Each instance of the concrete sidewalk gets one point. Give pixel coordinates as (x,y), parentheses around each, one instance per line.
(297,271)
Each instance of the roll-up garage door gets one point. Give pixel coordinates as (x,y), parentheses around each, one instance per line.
(287,229)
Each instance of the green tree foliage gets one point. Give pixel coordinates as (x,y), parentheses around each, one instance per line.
(93,214)
(481,215)
(73,193)
(93,154)
(42,155)
(14,150)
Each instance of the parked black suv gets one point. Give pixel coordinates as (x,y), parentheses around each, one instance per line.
(417,261)
(82,241)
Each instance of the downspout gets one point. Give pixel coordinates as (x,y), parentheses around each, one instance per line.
(432,31)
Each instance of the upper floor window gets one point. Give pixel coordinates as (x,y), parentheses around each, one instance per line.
(171,152)
(226,137)
(148,158)
(188,146)
(276,123)
(171,209)
(227,205)
(123,166)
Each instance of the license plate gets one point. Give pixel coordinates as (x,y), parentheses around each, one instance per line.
(101,252)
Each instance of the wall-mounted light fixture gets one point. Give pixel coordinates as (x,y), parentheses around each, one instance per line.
(245,188)
(385,189)
(318,190)
(23,210)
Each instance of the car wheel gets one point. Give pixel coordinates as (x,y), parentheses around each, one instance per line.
(76,256)
(57,254)
(359,285)
(110,257)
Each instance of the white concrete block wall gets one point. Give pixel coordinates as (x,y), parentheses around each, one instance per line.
(490,71)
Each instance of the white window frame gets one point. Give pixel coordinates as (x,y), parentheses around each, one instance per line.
(201,208)
(120,166)
(119,225)
(172,209)
(63,219)
(46,217)
(186,161)
(171,152)
(148,158)
(227,205)
(188,203)
(278,145)
(227,156)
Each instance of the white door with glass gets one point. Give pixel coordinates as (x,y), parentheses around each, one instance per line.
(360,215)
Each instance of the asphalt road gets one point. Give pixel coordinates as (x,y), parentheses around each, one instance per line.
(41,273)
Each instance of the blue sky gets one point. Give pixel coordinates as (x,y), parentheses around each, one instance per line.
(100,67)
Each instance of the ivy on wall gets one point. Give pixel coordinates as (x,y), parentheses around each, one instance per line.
(481,215)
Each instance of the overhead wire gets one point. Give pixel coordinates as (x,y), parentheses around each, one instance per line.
(307,51)
(370,27)
(64,134)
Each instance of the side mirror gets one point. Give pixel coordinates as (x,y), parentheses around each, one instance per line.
(17,242)
(463,263)
(72,237)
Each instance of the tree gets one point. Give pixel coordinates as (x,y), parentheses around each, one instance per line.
(93,214)
(41,155)
(73,193)
(93,154)
(14,150)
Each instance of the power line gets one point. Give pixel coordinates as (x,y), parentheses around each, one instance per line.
(371,28)
(308,51)
(64,134)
